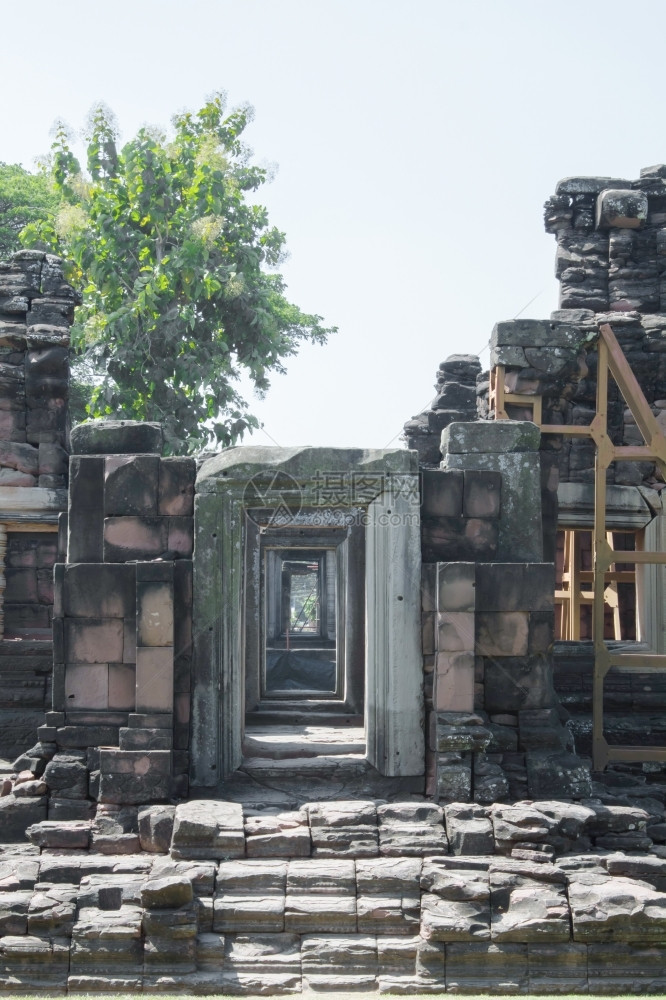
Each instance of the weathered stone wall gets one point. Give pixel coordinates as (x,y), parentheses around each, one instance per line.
(611,264)
(36,309)
(123,624)
(495,731)
(456,387)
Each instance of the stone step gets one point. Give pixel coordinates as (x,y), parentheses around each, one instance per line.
(322,764)
(280,742)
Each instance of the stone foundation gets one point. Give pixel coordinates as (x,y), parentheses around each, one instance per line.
(407,897)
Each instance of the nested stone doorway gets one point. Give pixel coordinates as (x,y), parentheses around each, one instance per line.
(307,610)
(304,636)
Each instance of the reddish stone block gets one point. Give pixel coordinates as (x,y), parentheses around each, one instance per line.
(443,539)
(130,485)
(134,761)
(542,632)
(182,708)
(500,587)
(21,586)
(502,633)
(182,600)
(45,586)
(53,460)
(182,670)
(454,682)
(455,631)
(122,686)
(154,605)
(129,640)
(441,493)
(181,536)
(134,776)
(428,587)
(427,634)
(482,537)
(540,586)
(154,679)
(481,493)
(176,486)
(21,457)
(515,586)
(99,591)
(47,424)
(456,586)
(86,685)
(12,425)
(21,549)
(85,514)
(21,619)
(94,641)
(47,550)
(128,538)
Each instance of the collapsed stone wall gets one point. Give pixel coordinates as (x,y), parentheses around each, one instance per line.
(611,265)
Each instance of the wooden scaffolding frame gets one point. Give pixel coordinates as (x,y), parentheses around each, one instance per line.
(577,591)
(611,361)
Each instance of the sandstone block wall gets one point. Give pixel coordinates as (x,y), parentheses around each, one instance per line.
(36,310)
(122,627)
(494,729)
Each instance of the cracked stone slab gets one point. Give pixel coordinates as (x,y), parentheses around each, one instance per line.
(208,829)
(607,908)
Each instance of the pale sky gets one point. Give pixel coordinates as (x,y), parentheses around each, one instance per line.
(416,142)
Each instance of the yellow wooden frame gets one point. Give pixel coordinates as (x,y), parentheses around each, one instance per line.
(574,593)
(611,361)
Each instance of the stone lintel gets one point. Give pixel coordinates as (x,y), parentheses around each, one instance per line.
(304,464)
(491,437)
(625,506)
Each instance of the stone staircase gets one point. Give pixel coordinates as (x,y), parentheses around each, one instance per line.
(213,896)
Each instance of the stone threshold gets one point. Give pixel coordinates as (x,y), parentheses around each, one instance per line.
(282,742)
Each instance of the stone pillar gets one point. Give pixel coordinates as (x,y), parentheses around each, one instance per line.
(3,551)
(454,638)
(512,448)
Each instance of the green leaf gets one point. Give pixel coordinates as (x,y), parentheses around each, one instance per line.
(173,264)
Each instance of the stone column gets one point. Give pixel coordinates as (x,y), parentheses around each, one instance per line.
(3,582)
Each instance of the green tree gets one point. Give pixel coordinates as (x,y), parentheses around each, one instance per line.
(24,198)
(176,264)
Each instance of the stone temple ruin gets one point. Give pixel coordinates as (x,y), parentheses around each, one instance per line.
(321,719)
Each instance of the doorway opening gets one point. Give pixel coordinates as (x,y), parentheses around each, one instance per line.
(304,642)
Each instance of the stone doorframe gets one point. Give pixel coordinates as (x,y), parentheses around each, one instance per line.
(379,487)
